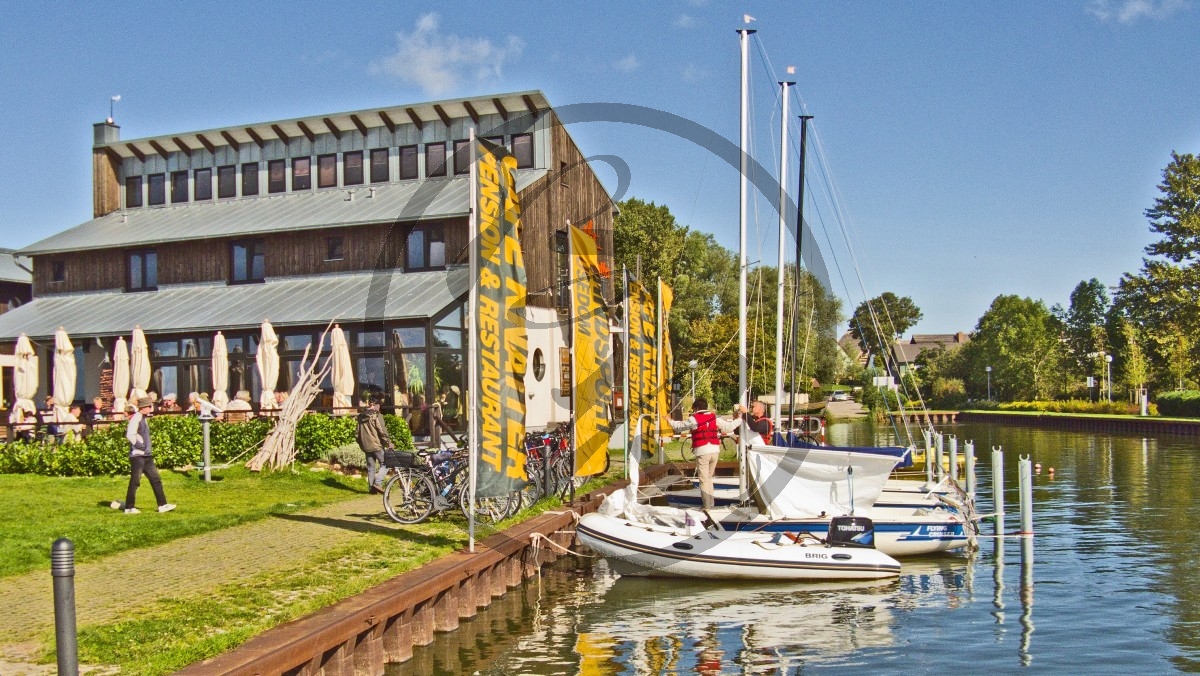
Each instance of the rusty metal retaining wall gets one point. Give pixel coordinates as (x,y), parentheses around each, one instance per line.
(358,635)
(1086,423)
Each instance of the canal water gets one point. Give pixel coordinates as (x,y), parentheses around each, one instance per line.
(1113,588)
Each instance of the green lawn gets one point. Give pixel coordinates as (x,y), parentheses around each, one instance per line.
(37,510)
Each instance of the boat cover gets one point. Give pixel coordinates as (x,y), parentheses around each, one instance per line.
(902,454)
(797,483)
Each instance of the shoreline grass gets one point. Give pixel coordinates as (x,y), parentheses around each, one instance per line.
(38,510)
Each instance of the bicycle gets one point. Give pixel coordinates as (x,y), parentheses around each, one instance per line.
(428,482)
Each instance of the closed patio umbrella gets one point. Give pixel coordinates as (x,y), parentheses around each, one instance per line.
(64,374)
(139,364)
(25,375)
(341,373)
(120,375)
(268,365)
(220,371)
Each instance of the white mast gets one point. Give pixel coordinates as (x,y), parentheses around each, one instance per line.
(744,170)
(783,153)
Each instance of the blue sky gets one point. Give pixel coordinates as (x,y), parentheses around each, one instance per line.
(977,148)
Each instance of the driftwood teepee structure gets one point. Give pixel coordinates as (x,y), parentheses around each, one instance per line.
(279,448)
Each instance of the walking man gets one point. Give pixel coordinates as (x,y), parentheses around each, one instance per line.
(372,439)
(141,459)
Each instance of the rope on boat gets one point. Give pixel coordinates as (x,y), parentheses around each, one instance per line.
(537,539)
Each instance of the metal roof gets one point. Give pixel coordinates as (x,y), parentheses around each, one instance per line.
(293,301)
(383,203)
(14,268)
(505,105)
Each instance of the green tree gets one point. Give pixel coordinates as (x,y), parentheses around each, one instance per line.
(1083,328)
(877,322)
(1134,368)
(1162,297)
(1020,339)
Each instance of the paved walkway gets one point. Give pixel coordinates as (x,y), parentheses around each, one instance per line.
(103,588)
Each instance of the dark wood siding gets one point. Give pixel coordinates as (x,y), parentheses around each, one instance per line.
(570,191)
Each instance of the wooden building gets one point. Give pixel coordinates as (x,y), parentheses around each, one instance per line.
(356,217)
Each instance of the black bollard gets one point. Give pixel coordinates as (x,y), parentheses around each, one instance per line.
(62,567)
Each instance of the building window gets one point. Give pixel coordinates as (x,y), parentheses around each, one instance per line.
(379,165)
(522,149)
(249,262)
(58,271)
(408,162)
(462,157)
(133,192)
(335,248)
(143,270)
(562,260)
(301,173)
(250,179)
(179,187)
(227,181)
(158,188)
(435,159)
(352,168)
(276,176)
(203,181)
(327,171)
(425,247)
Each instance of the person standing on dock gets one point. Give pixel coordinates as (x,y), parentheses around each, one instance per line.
(706,429)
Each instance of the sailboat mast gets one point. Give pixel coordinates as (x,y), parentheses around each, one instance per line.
(781,277)
(799,253)
(744,171)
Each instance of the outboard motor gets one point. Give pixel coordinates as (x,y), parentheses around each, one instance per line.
(851,531)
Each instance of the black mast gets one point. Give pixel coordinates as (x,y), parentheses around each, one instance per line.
(799,251)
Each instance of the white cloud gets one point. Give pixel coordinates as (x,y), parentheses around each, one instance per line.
(438,63)
(693,73)
(1129,11)
(627,64)
(685,21)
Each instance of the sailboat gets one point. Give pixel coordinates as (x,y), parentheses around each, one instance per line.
(666,541)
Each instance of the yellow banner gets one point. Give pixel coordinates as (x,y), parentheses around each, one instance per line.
(666,298)
(643,376)
(592,342)
(501,341)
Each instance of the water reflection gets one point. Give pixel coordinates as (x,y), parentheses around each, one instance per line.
(1115,561)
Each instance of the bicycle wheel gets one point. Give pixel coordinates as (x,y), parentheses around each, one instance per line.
(492,510)
(533,488)
(408,496)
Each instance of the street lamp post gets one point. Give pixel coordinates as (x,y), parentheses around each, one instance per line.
(989,376)
(692,365)
(1108,374)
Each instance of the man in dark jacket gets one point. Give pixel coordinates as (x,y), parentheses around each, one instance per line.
(373,439)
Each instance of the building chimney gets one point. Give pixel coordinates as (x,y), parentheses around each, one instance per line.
(106,169)
(106,132)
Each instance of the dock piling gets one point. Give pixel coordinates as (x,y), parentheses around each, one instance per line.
(954,457)
(1025,493)
(969,449)
(998,488)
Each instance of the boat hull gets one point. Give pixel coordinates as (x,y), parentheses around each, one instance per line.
(646,550)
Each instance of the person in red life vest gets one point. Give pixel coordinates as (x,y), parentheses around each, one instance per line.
(759,422)
(706,429)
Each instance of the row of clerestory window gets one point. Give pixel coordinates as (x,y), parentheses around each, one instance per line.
(357,168)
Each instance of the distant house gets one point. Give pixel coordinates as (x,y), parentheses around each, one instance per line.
(904,354)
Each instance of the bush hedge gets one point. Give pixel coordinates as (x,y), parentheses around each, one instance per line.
(1179,403)
(1077,406)
(178,441)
